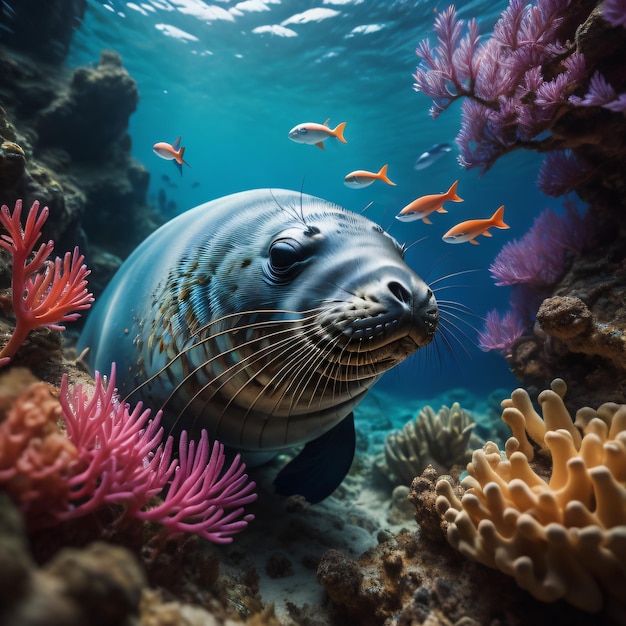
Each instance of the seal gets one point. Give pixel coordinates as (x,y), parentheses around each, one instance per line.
(263,317)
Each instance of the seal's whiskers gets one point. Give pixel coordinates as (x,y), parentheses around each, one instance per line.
(256,355)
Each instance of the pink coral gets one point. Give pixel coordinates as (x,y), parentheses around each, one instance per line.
(44,293)
(111,454)
(123,459)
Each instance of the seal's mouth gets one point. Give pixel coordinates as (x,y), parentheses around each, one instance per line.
(368,335)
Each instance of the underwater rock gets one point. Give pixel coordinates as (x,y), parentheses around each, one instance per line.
(581,331)
(97,104)
(45,29)
(100,585)
(12,163)
(94,189)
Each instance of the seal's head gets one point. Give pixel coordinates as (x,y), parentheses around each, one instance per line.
(276,313)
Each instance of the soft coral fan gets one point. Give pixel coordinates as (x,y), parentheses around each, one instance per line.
(516,84)
(115,455)
(44,293)
(531,264)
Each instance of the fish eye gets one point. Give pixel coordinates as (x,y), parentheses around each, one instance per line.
(302,131)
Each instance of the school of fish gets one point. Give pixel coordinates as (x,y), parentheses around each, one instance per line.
(315,134)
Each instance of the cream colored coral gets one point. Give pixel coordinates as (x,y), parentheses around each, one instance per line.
(439,439)
(565,538)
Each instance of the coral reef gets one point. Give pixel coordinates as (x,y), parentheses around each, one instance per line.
(439,439)
(43,293)
(108,585)
(559,537)
(549,78)
(406,580)
(109,454)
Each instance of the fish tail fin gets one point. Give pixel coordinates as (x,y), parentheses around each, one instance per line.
(451,193)
(497,219)
(180,159)
(338,132)
(179,166)
(176,143)
(382,175)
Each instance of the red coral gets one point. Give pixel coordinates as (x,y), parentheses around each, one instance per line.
(44,293)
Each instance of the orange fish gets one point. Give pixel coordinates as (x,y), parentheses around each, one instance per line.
(424,206)
(171,152)
(363,178)
(468,231)
(315,134)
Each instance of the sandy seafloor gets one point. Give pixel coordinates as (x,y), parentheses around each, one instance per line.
(285,541)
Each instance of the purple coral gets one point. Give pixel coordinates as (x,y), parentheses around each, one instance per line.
(501,332)
(510,101)
(539,256)
(614,12)
(561,171)
(516,84)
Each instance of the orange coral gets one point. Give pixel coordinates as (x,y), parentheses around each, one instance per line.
(559,538)
(35,455)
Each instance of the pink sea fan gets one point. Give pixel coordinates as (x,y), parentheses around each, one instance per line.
(501,332)
(121,459)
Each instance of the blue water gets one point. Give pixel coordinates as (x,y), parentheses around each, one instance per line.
(226,78)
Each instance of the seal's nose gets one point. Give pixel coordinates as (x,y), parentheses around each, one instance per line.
(399,292)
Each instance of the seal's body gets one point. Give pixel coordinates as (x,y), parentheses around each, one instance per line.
(263,317)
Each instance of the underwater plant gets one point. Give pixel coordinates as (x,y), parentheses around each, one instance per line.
(105,453)
(517,85)
(561,537)
(500,332)
(44,293)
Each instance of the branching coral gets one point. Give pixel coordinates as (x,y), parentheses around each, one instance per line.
(439,439)
(564,537)
(44,294)
(112,455)
(517,84)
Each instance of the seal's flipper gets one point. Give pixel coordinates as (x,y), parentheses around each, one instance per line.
(321,466)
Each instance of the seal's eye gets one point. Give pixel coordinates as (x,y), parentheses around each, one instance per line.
(284,254)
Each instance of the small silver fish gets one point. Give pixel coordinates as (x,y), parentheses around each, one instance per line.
(431,155)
